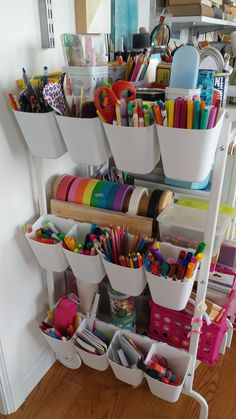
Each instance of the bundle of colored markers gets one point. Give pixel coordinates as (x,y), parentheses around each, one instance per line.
(136,67)
(133,114)
(186,113)
(89,246)
(181,269)
(121,248)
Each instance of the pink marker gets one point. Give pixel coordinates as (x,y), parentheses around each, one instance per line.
(212,117)
(178,105)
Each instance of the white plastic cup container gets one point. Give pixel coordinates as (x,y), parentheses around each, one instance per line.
(168,293)
(85,139)
(61,348)
(98,362)
(86,292)
(50,256)
(41,134)
(188,155)
(178,362)
(185,226)
(134,150)
(86,268)
(125,280)
(133,376)
(174,93)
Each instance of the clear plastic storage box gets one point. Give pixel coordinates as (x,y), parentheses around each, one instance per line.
(184,226)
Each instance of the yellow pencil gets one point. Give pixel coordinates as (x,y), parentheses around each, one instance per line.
(189,114)
(171,111)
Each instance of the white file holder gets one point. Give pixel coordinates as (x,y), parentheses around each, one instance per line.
(188,154)
(86,268)
(85,139)
(134,150)
(50,256)
(41,134)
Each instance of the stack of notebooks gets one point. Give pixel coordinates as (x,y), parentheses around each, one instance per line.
(95,342)
(125,352)
(196,8)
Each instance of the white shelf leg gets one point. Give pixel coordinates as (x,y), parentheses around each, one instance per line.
(214,202)
(40,187)
(201,401)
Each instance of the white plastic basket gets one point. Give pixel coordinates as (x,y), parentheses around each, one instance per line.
(41,134)
(86,268)
(98,362)
(166,292)
(188,155)
(85,139)
(125,280)
(50,256)
(178,362)
(132,376)
(134,150)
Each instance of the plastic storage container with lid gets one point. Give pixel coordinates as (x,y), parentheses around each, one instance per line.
(185,226)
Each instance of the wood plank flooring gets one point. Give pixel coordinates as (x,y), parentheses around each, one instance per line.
(90,394)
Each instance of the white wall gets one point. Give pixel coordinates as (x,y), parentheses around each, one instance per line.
(22,290)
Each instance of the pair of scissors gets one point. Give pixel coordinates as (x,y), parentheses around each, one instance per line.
(106,98)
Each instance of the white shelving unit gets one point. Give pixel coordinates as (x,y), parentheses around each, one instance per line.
(214,201)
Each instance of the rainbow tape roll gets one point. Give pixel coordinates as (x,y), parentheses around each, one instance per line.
(122,193)
(73,189)
(112,195)
(102,200)
(88,191)
(97,193)
(80,190)
(64,187)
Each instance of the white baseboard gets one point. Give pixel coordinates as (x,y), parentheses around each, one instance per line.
(14,394)
(37,371)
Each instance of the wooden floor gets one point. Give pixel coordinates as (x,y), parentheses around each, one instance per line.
(89,394)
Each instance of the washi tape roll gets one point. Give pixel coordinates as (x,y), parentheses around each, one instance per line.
(135,199)
(152,210)
(64,187)
(143,206)
(73,189)
(102,200)
(166,199)
(120,203)
(80,190)
(97,193)
(88,191)
(112,195)
(56,184)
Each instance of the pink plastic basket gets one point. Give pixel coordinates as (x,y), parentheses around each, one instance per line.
(173,327)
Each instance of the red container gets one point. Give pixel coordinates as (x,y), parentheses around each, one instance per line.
(173,327)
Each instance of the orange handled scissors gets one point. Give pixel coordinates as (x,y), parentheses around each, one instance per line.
(105,98)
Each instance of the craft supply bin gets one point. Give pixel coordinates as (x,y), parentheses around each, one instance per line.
(185,226)
(134,150)
(50,256)
(86,268)
(85,139)
(178,361)
(98,362)
(188,155)
(174,327)
(166,292)
(132,376)
(41,134)
(125,280)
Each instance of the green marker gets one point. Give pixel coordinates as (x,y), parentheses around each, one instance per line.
(196,114)
(200,248)
(204,119)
